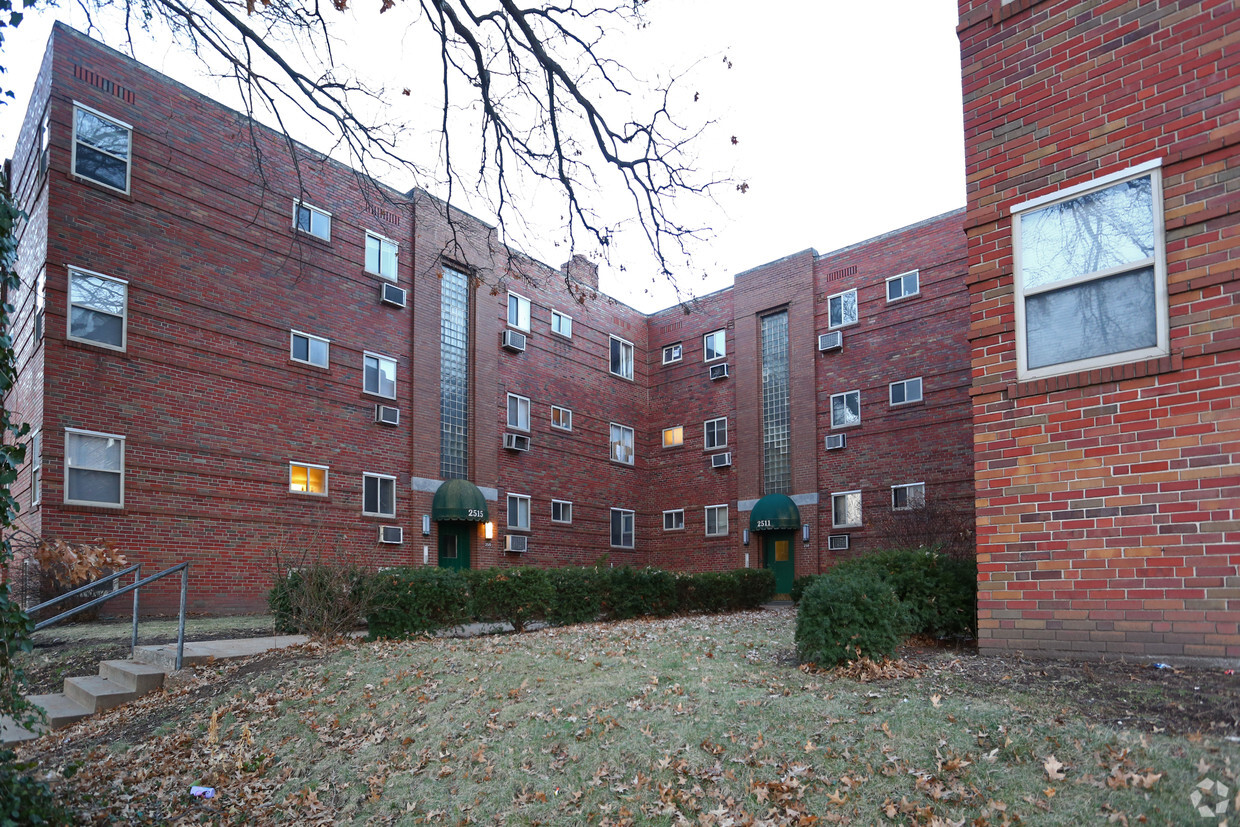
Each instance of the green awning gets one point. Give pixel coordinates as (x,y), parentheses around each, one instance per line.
(775,512)
(459,500)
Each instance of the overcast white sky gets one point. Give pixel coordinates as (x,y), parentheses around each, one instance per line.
(847,117)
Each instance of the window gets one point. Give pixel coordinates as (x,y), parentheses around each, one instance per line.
(312,350)
(621,358)
(378,495)
(842,309)
(518,412)
(673,436)
(94,468)
(672,353)
(561,511)
(716,433)
(714,346)
(307,479)
(674,520)
(846,509)
(903,392)
(36,468)
(518,312)
(519,512)
(379,375)
(97,309)
(903,285)
(622,443)
(45,142)
(716,521)
(312,220)
(1091,276)
(845,409)
(101,148)
(621,528)
(381,256)
(908,497)
(561,325)
(561,418)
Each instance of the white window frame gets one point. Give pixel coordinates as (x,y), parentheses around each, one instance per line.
(561,324)
(678,433)
(843,323)
(632,521)
(297,205)
(309,337)
(36,467)
(707,444)
(717,510)
(891,392)
(308,465)
(566,418)
(521,402)
(720,347)
(521,305)
(1158,261)
(612,443)
(916,274)
(70,469)
(380,479)
(566,512)
(908,488)
(860,517)
(676,351)
(677,516)
(128,161)
(124,315)
(520,500)
(632,356)
(381,240)
(845,396)
(366,354)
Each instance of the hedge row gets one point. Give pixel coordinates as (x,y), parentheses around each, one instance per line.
(410,601)
(870,604)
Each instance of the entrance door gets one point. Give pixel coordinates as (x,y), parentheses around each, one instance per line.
(454,545)
(777,550)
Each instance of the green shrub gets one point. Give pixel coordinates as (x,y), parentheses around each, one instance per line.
(410,601)
(708,591)
(577,594)
(25,799)
(939,592)
(800,584)
(847,613)
(516,595)
(754,587)
(321,600)
(642,592)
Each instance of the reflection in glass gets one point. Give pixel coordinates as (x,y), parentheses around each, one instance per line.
(102,150)
(1099,317)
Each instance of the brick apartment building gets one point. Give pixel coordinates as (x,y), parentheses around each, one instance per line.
(228,357)
(1103,163)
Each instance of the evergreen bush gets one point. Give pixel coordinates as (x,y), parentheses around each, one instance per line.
(516,595)
(411,601)
(578,593)
(848,613)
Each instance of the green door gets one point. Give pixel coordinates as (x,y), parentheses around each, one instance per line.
(777,549)
(454,544)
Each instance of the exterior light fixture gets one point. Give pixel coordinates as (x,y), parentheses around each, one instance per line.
(805,532)
(426,525)
(745,536)
(489,530)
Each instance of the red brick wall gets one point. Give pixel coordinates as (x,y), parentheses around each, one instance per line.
(1106,500)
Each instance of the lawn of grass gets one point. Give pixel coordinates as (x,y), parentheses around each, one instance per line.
(703,720)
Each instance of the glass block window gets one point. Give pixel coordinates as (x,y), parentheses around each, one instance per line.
(776,418)
(454,375)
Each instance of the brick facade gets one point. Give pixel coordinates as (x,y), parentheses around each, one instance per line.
(1107,496)
(213,410)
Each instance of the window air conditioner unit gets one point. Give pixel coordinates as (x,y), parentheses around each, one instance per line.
(721,460)
(719,371)
(516,442)
(837,542)
(393,295)
(831,341)
(836,441)
(387,414)
(391,534)
(517,543)
(512,340)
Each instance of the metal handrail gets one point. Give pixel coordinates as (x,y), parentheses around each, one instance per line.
(132,587)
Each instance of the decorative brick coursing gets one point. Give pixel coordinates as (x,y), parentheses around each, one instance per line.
(1106,500)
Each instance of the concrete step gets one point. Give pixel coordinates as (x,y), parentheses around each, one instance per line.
(61,709)
(140,677)
(11,733)
(196,654)
(98,693)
